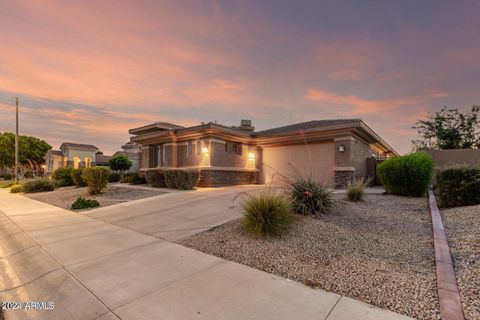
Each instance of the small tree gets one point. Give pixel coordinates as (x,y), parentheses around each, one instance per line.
(120,163)
(449,129)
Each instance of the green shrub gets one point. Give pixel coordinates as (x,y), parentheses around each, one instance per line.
(7,176)
(267,213)
(408,175)
(458,186)
(114,177)
(182,179)
(82,203)
(63,177)
(155,178)
(356,188)
(309,196)
(96,179)
(16,188)
(38,185)
(134,178)
(77,178)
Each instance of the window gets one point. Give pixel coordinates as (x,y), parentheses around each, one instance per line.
(189,148)
(88,162)
(76,162)
(233,148)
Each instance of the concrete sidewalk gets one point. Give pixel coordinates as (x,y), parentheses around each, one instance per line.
(91,269)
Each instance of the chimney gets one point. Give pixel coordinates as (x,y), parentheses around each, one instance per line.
(246,125)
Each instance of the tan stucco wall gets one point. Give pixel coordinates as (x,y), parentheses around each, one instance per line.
(444,158)
(196,159)
(82,154)
(318,159)
(355,154)
(221,158)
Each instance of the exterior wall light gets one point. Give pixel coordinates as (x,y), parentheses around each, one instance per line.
(205,151)
(341,148)
(251,156)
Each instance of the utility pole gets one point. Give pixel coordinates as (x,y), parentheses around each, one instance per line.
(16,143)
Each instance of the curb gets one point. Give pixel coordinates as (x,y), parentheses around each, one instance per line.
(448,294)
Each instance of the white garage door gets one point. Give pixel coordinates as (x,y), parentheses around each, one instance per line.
(318,159)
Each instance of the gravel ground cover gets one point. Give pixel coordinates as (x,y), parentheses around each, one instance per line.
(463,231)
(64,197)
(379,251)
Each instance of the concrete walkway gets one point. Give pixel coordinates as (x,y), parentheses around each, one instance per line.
(91,269)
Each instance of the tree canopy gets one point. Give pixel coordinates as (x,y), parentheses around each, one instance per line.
(449,129)
(120,163)
(30,149)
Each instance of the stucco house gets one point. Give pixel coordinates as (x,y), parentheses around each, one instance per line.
(71,155)
(77,155)
(331,150)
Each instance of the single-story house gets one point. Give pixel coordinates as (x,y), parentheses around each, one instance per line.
(331,150)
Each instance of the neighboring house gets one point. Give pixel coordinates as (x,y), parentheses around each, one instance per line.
(71,155)
(331,150)
(133,153)
(76,155)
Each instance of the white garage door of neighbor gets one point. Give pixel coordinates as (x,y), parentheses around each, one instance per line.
(318,159)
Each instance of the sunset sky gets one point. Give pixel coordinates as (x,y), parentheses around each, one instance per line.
(87,71)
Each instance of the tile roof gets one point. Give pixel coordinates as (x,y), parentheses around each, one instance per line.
(100,158)
(305,125)
(78,145)
(55,152)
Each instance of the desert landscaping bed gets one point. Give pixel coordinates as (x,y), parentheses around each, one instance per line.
(379,251)
(64,197)
(462,225)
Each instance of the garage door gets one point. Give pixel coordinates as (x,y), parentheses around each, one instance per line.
(318,159)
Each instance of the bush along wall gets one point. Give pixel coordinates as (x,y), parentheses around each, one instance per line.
(458,186)
(182,179)
(408,175)
(155,178)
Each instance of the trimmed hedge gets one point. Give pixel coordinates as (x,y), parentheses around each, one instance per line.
(77,178)
(155,178)
(181,179)
(38,185)
(408,175)
(96,178)
(458,186)
(63,177)
(134,178)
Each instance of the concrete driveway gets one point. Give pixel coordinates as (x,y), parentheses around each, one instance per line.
(177,214)
(90,269)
